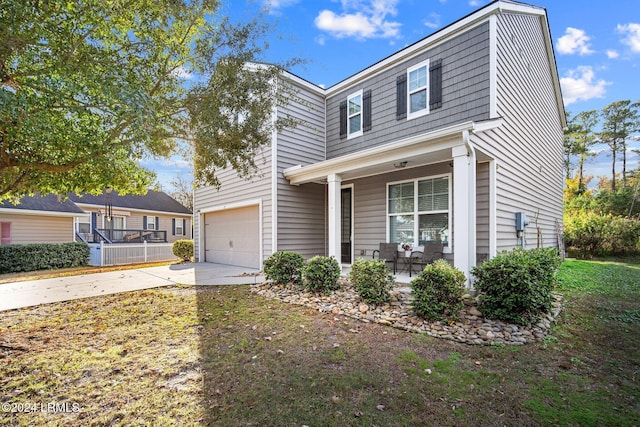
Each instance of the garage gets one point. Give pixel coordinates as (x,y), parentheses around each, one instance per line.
(232,236)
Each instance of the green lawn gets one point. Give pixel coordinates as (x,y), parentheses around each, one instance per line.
(226,357)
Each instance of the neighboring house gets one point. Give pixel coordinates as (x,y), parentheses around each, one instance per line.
(38,219)
(443,141)
(154,217)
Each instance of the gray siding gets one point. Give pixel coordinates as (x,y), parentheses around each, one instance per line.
(370,205)
(301,210)
(528,147)
(234,190)
(465,94)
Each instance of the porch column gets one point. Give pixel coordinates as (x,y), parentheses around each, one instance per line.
(464,210)
(334,193)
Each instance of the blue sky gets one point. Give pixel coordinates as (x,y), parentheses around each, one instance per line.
(597,45)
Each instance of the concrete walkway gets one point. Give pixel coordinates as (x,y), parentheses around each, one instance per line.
(35,292)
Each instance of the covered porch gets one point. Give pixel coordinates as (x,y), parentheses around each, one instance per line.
(447,156)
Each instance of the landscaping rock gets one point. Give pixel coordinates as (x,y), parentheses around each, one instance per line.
(470,328)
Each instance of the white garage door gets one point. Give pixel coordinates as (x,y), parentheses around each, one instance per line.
(232,237)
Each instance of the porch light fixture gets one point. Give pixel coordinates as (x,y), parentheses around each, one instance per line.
(400,165)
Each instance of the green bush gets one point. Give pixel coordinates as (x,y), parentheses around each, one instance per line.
(372,280)
(516,286)
(588,234)
(183,249)
(321,274)
(438,290)
(284,267)
(42,256)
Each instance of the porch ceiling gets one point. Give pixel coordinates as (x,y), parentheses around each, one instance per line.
(428,148)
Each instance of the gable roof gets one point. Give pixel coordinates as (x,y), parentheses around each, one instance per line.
(48,203)
(152,201)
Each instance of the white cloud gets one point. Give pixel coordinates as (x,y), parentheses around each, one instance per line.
(612,54)
(361,19)
(574,41)
(580,85)
(632,33)
(183,73)
(433,21)
(475,3)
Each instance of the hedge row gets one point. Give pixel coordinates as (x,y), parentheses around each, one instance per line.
(589,234)
(42,256)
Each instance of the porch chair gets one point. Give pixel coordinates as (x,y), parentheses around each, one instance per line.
(389,253)
(431,253)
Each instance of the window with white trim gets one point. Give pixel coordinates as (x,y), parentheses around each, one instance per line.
(354,114)
(418,88)
(419,211)
(151,223)
(179,226)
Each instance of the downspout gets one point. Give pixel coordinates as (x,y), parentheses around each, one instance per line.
(466,138)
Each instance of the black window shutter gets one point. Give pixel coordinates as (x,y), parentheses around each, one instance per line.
(435,84)
(157,223)
(94,221)
(144,222)
(173,226)
(401,97)
(184,227)
(366,111)
(343,119)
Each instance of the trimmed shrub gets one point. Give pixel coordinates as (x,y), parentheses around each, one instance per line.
(183,249)
(284,267)
(438,290)
(321,274)
(516,286)
(42,256)
(372,280)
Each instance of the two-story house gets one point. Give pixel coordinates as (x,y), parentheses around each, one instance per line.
(446,140)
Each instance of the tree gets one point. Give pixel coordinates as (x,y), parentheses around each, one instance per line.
(581,133)
(569,144)
(89,88)
(184,191)
(621,119)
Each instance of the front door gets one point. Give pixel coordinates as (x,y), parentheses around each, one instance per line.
(347,214)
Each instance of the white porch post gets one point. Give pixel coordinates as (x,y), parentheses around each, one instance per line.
(335,214)
(464,210)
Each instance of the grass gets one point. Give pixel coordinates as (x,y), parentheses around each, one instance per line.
(224,356)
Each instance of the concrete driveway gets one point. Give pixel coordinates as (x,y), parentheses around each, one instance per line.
(35,292)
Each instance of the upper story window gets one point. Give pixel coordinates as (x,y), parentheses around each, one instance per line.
(418,89)
(355,114)
(354,105)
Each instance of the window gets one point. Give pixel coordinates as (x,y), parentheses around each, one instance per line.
(150,223)
(418,89)
(83,224)
(418,211)
(179,226)
(354,118)
(355,114)
(5,233)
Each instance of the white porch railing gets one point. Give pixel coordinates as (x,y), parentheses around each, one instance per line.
(119,254)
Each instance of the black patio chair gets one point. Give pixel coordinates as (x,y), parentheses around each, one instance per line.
(431,253)
(389,253)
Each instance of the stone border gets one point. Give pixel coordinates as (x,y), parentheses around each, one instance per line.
(471,328)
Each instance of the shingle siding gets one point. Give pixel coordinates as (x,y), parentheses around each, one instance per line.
(465,94)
